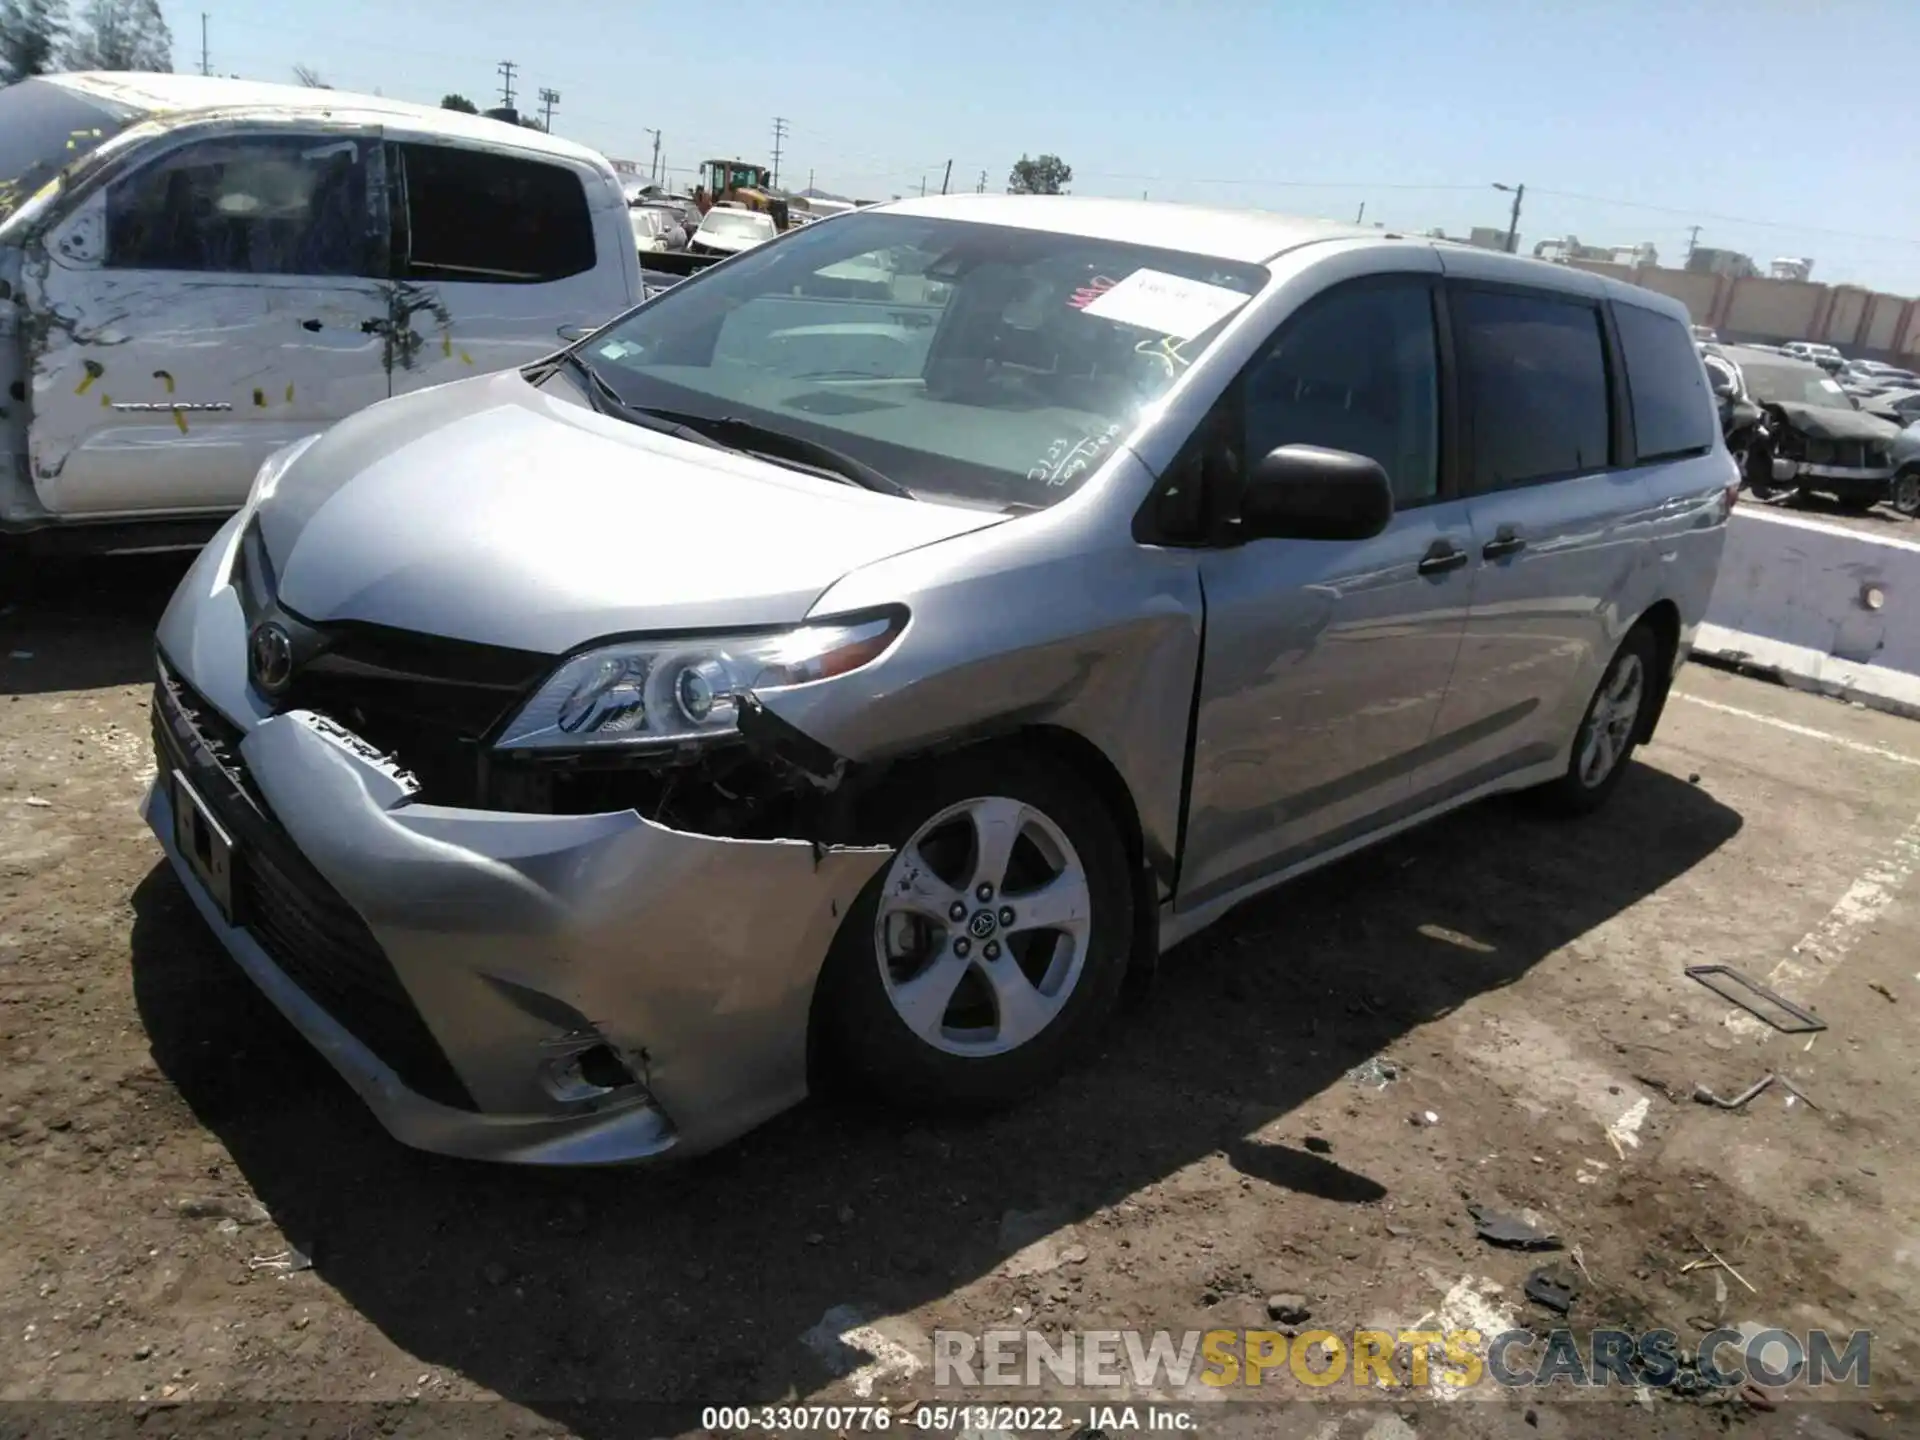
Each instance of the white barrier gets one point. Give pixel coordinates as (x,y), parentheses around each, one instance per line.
(1824,608)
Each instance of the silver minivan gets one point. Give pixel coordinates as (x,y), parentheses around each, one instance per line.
(801,679)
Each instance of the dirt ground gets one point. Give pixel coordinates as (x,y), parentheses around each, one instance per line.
(165,1136)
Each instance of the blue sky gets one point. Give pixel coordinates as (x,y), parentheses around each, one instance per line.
(1778,126)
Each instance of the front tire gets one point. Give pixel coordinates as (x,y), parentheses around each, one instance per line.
(992,947)
(1906,492)
(1610,729)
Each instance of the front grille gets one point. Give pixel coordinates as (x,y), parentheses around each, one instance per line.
(306,926)
(427,701)
(1850,454)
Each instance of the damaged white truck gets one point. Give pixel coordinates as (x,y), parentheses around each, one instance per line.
(195,272)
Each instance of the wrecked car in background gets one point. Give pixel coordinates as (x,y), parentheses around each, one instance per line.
(792,681)
(195,272)
(1814,437)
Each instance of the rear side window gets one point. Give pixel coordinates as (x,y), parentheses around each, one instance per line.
(471,215)
(1535,375)
(1672,409)
(246,205)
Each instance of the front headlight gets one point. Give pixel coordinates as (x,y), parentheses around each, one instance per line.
(276,465)
(644,693)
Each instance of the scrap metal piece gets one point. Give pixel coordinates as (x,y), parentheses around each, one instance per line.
(1707,1097)
(1707,975)
(1510,1231)
(1544,1287)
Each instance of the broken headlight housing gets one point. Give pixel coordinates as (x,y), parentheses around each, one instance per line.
(642,693)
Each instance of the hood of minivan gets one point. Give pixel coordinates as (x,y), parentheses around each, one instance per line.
(499,512)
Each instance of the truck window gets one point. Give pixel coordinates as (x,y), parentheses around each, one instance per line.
(44,128)
(471,215)
(246,205)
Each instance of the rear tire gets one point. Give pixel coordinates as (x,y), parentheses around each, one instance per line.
(940,995)
(1609,730)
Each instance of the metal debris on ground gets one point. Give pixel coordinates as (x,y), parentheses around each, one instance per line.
(1797,1092)
(1882,991)
(1510,1231)
(1546,1287)
(1738,989)
(1375,1073)
(1707,1097)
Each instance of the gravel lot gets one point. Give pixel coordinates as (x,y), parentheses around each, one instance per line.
(164,1134)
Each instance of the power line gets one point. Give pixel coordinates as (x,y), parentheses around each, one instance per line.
(1732,219)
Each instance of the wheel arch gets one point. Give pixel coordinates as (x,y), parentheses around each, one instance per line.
(1662,618)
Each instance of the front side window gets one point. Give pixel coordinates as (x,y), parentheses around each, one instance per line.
(984,363)
(1356,370)
(1534,372)
(503,219)
(1672,408)
(246,205)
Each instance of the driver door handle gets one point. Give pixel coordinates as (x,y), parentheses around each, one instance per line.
(1442,556)
(1503,544)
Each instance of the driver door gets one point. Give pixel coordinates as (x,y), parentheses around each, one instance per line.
(207,306)
(1325,662)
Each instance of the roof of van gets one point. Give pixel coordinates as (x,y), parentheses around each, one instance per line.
(1250,235)
(171,94)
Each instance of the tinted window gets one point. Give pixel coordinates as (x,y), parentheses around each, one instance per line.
(253,205)
(1355,370)
(500,218)
(1672,407)
(1535,375)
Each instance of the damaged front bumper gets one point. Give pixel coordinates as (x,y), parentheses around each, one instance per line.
(562,990)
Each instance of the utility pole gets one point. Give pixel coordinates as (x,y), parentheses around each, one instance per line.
(981,188)
(945,178)
(1362,216)
(1519,193)
(923,186)
(1693,239)
(779,135)
(654,174)
(506,69)
(548,99)
(809,181)
(206,65)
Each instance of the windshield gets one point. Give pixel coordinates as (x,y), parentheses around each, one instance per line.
(741,224)
(984,363)
(44,128)
(1794,384)
(647,222)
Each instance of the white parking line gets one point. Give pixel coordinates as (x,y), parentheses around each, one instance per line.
(1826,945)
(1859,747)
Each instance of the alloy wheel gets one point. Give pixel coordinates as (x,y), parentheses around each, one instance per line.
(1616,710)
(982,927)
(1906,493)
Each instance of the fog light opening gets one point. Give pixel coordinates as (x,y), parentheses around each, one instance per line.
(591,1073)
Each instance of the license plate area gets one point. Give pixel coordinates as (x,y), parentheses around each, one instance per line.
(204,844)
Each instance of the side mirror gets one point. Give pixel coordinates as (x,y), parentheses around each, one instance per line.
(1302,492)
(1722,382)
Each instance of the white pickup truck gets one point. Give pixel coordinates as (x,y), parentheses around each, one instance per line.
(195,271)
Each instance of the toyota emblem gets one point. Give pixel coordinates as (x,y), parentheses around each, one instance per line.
(982,924)
(270,657)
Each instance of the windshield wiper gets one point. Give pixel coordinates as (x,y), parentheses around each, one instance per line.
(608,401)
(758,439)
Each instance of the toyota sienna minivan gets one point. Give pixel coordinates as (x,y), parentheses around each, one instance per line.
(799,677)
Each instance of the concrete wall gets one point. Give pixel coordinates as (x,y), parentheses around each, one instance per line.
(1883,322)
(1821,607)
(1699,293)
(1761,309)
(1846,312)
